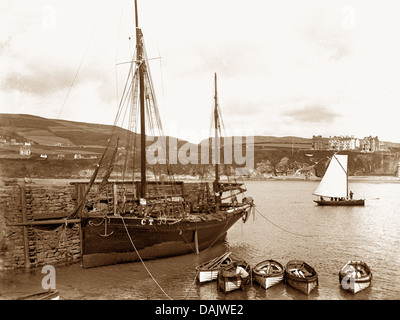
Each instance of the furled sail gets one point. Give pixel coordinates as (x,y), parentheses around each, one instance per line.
(334,182)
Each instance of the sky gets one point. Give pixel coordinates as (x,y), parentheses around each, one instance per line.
(285,68)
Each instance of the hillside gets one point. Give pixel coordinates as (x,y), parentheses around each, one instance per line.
(54,137)
(62,140)
(42,131)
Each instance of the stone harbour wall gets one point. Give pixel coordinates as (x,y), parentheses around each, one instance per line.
(34,246)
(11,239)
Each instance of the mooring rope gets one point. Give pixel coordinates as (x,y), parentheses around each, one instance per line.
(148,271)
(294,233)
(191,286)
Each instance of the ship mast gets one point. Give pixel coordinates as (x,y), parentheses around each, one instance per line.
(142,70)
(216,147)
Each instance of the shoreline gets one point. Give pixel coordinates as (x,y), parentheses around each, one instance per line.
(188,179)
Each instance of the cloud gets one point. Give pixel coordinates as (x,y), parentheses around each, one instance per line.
(4,45)
(339,52)
(312,114)
(40,79)
(37,80)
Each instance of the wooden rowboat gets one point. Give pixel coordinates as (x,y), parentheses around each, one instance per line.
(268,273)
(301,276)
(43,295)
(208,271)
(355,276)
(234,276)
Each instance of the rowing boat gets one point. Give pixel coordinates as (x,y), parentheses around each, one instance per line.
(208,270)
(234,276)
(268,273)
(301,276)
(355,276)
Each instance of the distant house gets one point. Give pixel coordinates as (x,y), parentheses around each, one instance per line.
(78,156)
(317,143)
(43,156)
(370,144)
(343,143)
(25,150)
(61,156)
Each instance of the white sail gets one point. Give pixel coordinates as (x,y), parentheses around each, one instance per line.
(334,182)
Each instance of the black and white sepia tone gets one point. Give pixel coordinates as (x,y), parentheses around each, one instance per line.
(199,150)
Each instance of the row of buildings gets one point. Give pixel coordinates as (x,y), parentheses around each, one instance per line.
(367,144)
(26,151)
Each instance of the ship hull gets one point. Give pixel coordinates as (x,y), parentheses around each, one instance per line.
(113,240)
(359,202)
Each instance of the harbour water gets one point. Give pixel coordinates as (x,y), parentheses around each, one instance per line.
(287,225)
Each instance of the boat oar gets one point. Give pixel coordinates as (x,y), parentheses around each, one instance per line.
(220,260)
(211,262)
(207,263)
(217,261)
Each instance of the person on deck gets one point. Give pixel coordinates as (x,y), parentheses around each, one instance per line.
(351,195)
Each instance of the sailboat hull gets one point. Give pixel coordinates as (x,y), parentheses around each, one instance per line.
(360,202)
(131,239)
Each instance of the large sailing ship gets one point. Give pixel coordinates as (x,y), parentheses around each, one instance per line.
(129,219)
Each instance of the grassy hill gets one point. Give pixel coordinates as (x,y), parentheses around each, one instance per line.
(272,155)
(44,131)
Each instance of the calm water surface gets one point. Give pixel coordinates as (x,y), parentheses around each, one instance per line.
(287,225)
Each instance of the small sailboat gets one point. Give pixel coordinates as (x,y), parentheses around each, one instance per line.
(355,276)
(208,270)
(333,189)
(234,276)
(301,276)
(268,273)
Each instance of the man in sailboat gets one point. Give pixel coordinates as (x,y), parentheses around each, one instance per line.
(351,195)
